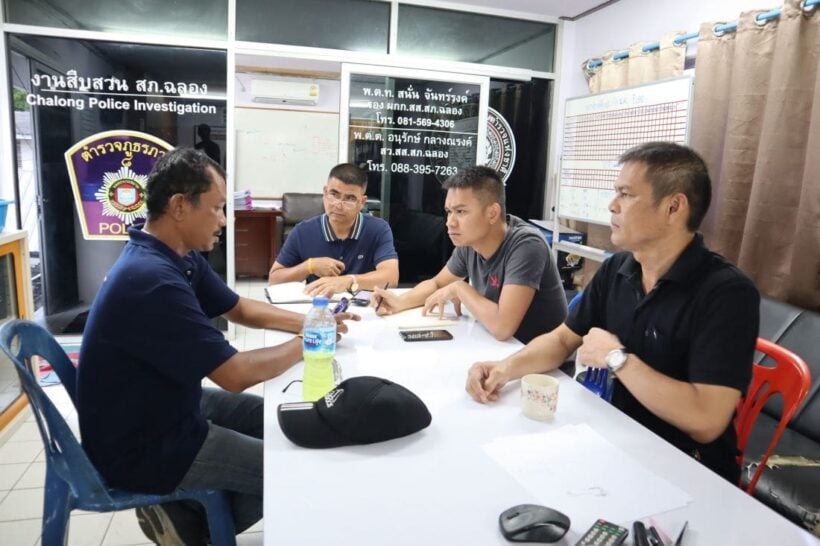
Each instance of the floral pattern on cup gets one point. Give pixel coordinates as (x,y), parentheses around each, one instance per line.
(539,396)
(549,399)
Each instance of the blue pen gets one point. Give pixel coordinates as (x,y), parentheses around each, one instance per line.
(341,307)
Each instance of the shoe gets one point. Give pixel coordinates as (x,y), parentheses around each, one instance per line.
(171,524)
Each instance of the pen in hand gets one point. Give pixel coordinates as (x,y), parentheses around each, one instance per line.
(381,298)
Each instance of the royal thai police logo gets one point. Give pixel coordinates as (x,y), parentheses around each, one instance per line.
(500,145)
(108,173)
(123,195)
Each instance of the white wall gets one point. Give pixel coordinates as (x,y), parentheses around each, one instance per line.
(623,23)
(629,21)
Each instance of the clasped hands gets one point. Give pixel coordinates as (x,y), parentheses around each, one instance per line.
(329,281)
(595,346)
(486,379)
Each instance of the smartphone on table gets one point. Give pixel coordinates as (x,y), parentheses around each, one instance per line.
(425,335)
(362,298)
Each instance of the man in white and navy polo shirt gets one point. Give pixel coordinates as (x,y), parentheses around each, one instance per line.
(342,249)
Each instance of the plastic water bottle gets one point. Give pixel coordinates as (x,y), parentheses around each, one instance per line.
(318,349)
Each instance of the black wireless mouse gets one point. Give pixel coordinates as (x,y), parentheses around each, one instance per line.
(533,523)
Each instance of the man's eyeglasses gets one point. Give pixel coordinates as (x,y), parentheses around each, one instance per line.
(348,201)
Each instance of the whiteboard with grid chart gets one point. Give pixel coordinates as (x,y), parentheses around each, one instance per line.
(599,128)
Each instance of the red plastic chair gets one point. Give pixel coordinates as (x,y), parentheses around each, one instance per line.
(791,378)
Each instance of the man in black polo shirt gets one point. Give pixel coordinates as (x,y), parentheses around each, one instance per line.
(673,321)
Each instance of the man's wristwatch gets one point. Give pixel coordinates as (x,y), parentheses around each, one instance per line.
(615,359)
(354,286)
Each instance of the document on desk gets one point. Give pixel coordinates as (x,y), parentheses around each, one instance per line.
(292,292)
(577,471)
(412,319)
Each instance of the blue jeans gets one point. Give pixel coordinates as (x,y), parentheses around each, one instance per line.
(231,459)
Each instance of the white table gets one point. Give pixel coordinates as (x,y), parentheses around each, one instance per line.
(438,487)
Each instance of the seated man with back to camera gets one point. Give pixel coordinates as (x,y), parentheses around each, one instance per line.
(514,287)
(343,249)
(674,322)
(146,422)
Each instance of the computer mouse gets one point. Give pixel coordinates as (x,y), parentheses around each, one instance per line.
(533,523)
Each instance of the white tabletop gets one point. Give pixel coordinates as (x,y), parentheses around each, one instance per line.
(439,486)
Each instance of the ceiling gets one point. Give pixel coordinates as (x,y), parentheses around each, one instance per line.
(476,48)
(554,8)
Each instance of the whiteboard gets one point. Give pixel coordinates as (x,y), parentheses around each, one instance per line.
(599,128)
(280,151)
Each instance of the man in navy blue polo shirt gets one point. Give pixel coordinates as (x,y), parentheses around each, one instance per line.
(342,249)
(146,422)
(675,323)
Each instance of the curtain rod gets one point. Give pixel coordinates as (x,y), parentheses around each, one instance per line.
(761,19)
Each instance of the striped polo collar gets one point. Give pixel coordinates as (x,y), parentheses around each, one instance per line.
(355,231)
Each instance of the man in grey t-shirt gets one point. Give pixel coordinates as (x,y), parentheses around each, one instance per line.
(514,288)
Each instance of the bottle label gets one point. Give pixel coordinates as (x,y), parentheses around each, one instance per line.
(320,339)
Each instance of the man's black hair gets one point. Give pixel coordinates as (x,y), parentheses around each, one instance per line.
(204,131)
(484,182)
(349,174)
(182,170)
(672,168)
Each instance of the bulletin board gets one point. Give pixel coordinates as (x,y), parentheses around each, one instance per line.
(280,151)
(599,128)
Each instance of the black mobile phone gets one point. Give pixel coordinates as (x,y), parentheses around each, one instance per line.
(426,335)
(362,298)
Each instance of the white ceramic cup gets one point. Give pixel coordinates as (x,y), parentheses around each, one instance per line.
(539,396)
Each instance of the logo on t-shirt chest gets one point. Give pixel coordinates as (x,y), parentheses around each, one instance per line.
(494,281)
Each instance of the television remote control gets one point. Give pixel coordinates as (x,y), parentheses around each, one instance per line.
(603,533)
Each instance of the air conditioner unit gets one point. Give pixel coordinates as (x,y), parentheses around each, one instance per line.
(279,92)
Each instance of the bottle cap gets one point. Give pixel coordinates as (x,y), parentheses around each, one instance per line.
(320,301)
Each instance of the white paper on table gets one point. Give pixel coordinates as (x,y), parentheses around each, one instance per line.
(575,470)
(293,292)
(413,318)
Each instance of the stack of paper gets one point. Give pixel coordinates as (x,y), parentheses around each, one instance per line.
(293,292)
(242,200)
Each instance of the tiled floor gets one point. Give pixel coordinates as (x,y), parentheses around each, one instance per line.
(22,475)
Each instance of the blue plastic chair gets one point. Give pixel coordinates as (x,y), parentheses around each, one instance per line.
(597,381)
(72,482)
(574,301)
(594,379)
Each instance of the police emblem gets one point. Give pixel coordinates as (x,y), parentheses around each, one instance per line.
(500,145)
(108,173)
(122,194)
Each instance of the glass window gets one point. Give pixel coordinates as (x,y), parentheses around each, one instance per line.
(354,25)
(97,117)
(474,38)
(180,18)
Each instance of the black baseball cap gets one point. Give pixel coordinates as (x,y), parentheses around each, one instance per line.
(361,410)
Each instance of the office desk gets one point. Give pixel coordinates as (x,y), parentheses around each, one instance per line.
(255,232)
(438,487)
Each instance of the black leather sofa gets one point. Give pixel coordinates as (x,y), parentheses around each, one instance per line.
(791,482)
